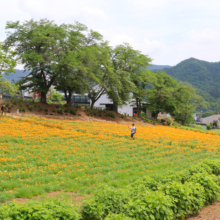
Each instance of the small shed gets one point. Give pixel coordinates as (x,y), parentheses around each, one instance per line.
(211,119)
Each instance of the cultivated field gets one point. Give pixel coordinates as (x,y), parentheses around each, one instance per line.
(40,155)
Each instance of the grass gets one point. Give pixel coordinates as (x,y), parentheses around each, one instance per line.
(39,156)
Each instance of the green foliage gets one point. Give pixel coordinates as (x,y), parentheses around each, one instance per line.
(60,111)
(7,63)
(55,96)
(7,87)
(112,216)
(30,107)
(110,114)
(209,127)
(209,183)
(39,211)
(73,111)
(188,198)
(46,110)
(189,70)
(215,123)
(29,38)
(67,110)
(168,196)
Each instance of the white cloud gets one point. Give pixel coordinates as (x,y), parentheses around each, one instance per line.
(205,36)
(61,10)
(167,30)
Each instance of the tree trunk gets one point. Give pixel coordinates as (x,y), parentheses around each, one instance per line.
(66,95)
(155,114)
(115,106)
(69,98)
(43,97)
(138,104)
(92,103)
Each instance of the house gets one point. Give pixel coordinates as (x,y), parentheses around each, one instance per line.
(211,119)
(105,103)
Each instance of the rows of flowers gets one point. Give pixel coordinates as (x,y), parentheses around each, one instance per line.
(40,155)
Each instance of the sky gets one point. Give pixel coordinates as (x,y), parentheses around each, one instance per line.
(168,31)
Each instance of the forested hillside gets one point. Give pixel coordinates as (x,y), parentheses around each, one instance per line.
(158,67)
(16,76)
(201,74)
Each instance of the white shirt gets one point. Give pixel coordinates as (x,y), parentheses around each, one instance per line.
(132,129)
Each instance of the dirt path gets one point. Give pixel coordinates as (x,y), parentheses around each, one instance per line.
(211,212)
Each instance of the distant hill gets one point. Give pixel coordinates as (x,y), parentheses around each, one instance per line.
(205,76)
(16,76)
(158,67)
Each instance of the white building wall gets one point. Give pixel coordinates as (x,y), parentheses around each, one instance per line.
(128,109)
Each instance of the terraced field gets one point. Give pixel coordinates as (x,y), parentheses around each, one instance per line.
(39,155)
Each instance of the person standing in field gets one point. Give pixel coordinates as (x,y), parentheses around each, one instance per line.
(133,131)
(2,109)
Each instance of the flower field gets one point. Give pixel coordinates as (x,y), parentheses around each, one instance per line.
(40,155)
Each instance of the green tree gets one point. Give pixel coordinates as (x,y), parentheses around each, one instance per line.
(70,79)
(98,73)
(38,46)
(161,96)
(7,87)
(186,101)
(124,60)
(7,63)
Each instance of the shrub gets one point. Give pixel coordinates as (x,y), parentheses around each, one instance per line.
(66,105)
(214,165)
(14,100)
(169,122)
(39,211)
(120,216)
(30,108)
(60,111)
(54,110)
(121,116)
(87,108)
(67,110)
(41,109)
(100,114)
(209,182)
(23,109)
(188,198)
(46,110)
(79,106)
(107,200)
(215,123)
(209,127)
(160,207)
(73,111)
(110,114)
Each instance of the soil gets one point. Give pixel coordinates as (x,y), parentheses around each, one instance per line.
(211,212)
(73,197)
(81,114)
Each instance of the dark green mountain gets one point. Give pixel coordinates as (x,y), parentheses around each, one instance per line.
(205,76)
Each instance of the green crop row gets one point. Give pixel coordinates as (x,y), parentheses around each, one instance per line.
(171,196)
(166,197)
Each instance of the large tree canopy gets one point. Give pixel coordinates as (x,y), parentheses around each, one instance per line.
(38,46)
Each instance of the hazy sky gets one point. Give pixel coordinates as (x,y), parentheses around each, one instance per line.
(169,31)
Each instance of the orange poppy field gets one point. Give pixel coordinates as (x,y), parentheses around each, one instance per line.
(41,155)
